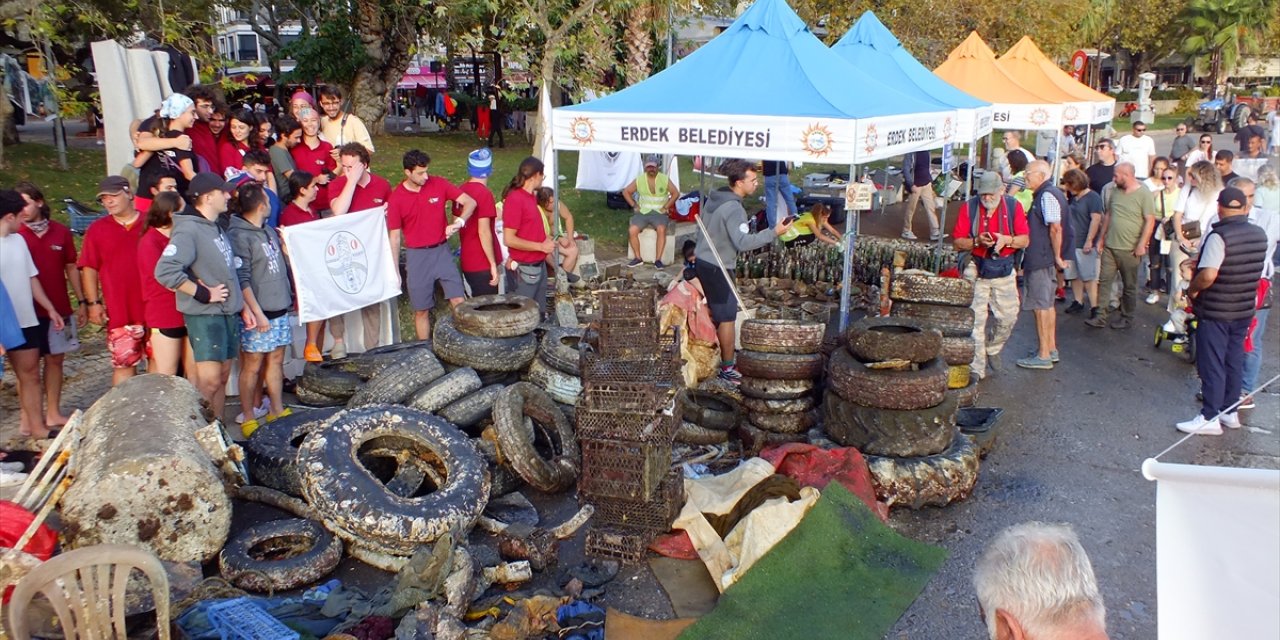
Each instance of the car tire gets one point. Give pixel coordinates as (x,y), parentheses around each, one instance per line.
(513,404)
(372,362)
(936,480)
(888,389)
(443,391)
(764,389)
(472,409)
(328,380)
(396,383)
(881,339)
(889,432)
(782,336)
(795,405)
(788,423)
(780,366)
(926,288)
(957,351)
(271,453)
(559,349)
(312,399)
(968,396)
(709,410)
(496,316)
(562,387)
(483,354)
(357,505)
(953,322)
(253,558)
(754,439)
(690,433)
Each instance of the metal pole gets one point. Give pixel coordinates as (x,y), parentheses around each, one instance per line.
(671,32)
(850,238)
(59,135)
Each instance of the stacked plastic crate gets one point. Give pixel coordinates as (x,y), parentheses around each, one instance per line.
(626,424)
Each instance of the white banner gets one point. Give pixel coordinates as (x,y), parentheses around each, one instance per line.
(341,263)
(1217,551)
(1026,117)
(607,170)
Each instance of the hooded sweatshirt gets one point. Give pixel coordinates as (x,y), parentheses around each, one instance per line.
(198,250)
(259,249)
(726,224)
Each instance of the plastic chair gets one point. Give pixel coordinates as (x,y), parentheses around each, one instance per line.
(86,588)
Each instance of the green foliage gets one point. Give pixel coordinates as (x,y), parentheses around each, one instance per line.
(1188,102)
(1224,30)
(1156,94)
(333,54)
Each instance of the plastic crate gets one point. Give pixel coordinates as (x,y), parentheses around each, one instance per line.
(632,426)
(621,469)
(655,515)
(243,619)
(627,338)
(628,546)
(621,305)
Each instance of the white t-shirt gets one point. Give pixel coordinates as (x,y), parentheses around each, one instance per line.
(1198,206)
(17,270)
(1137,151)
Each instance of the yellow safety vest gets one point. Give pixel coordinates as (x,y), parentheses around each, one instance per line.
(651,202)
(803,226)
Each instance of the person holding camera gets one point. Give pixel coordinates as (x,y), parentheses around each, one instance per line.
(991,236)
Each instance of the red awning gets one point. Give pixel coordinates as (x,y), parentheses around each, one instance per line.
(422,77)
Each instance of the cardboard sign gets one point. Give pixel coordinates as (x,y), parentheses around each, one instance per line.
(857,196)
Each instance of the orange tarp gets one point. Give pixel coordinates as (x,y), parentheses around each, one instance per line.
(972,67)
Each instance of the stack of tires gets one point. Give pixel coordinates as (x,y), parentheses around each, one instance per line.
(332,383)
(556,369)
(781,364)
(707,416)
(492,335)
(887,396)
(946,305)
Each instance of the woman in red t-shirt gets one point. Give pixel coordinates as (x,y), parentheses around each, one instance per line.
(243,128)
(525,233)
(314,156)
(167,346)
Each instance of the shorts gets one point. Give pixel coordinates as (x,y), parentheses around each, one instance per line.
(176,333)
(801,241)
(1084,267)
(720,300)
(214,338)
(425,268)
(478,281)
(127,345)
(1041,284)
(35,337)
(67,340)
(279,334)
(529,280)
(655,220)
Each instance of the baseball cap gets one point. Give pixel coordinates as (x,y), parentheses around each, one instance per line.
(112,185)
(208,181)
(650,161)
(990,183)
(480,163)
(1232,198)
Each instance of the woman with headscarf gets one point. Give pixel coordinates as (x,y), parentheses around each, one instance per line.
(177,114)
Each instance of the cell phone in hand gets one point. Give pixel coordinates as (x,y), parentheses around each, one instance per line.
(788,220)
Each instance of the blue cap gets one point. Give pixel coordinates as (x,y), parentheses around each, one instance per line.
(480,163)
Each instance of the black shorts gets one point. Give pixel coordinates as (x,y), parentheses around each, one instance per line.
(803,240)
(36,337)
(720,300)
(478,281)
(176,333)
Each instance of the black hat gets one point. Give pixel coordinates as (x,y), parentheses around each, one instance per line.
(1232,198)
(112,185)
(206,182)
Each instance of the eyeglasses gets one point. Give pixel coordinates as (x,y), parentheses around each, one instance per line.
(1170,178)
(1103,146)
(1206,142)
(1143,130)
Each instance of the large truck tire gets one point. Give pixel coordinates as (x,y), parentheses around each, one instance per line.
(889,432)
(496,316)
(886,388)
(483,354)
(936,480)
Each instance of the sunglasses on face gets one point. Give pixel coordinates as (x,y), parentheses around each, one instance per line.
(1139,130)
(1169,178)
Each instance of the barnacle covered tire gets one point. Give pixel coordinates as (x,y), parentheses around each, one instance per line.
(774,389)
(279,555)
(779,366)
(372,362)
(553,474)
(880,339)
(783,422)
(271,453)
(446,389)
(967,396)
(936,480)
(795,405)
(953,322)
(397,382)
(313,399)
(957,351)
(782,336)
(483,354)
(560,349)
(690,433)
(885,388)
(496,316)
(329,379)
(889,432)
(358,506)
(919,286)
(709,410)
(562,387)
(472,409)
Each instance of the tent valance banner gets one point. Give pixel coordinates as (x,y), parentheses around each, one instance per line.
(341,263)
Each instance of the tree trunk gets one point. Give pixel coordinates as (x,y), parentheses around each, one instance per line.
(1215,68)
(388,34)
(639,42)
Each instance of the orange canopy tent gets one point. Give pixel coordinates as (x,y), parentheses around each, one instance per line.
(972,67)
(1032,69)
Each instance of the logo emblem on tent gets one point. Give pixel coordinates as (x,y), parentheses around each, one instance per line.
(582,130)
(946,130)
(1039,116)
(1071,113)
(816,140)
(871,140)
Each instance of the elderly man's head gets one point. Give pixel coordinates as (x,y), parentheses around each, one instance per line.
(1035,582)
(1037,173)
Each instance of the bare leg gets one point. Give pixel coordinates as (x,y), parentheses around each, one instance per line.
(53,390)
(250,367)
(1044,331)
(213,381)
(26,367)
(120,374)
(1091,288)
(662,245)
(1078,290)
(189,363)
(371,318)
(570,254)
(166,353)
(422,323)
(725,333)
(633,237)
(275,380)
(314,330)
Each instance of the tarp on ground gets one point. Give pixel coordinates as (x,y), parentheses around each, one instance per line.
(870,46)
(765,88)
(972,68)
(1082,105)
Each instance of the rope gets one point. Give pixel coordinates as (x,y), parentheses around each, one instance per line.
(1219,416)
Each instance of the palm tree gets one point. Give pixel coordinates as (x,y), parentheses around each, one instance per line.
(1223,30)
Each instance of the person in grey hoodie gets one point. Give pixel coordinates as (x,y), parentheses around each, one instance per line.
(723,225)
(265,326)
(199,264)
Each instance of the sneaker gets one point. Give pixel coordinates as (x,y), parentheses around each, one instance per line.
(1201,425)
(1053,356)
(573,278)
(12,467)
(1180,340)
(1035,362)
(1121,323)
(995,361)
(339,351)
(312,354)
(1060,294)
(258,411)
(907,235)
(935,235)
(12,478)
(1074,307)
(1096,321)
(1246,402)
(1230,420)
(1168,327)
(657,264)
(635,262)
(1153,297)
(730,374)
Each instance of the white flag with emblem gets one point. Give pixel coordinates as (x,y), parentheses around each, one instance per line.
(341,263)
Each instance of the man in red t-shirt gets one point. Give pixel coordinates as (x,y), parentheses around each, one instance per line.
(204,140)
(356,189)
(416,212)
(481,253)
(525,236)
(998,233)
(53,250)
(109,273)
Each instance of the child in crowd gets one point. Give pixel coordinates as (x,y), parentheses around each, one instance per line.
(1177,323)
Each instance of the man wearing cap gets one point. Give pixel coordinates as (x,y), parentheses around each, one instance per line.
(650,196)
(416,213)
(109,275)
(1224,293)
(200,264)
(1127,224)
(992,227)
(481,255)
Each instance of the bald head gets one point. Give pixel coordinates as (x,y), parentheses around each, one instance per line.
(1037,173)
(1125,176)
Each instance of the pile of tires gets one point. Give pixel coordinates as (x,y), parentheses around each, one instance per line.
(781,364)
(887,396)
(491,335)
(944,304)
(556,368)
(332,383)
(707,416)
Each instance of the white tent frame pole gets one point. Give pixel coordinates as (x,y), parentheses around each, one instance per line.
(851,221)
